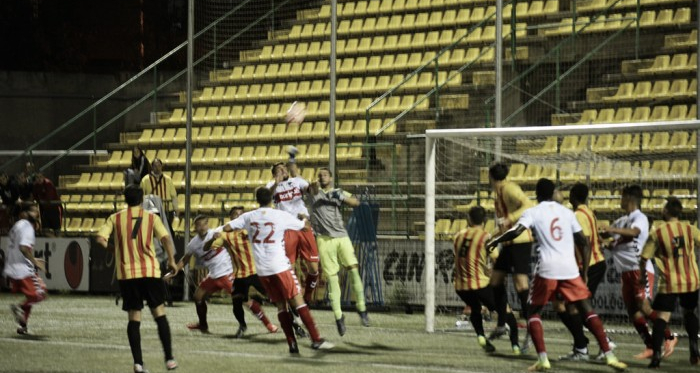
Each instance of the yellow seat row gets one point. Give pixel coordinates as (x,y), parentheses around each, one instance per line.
(665,63)
(246,133)
(276,112)
(648,19)
(638,114)
(412,21)
(658,90)
(99,181)
(76,226)
(362,64)
(367,8)
(92,203)
(606,171)
(292,90)
(624,143)
(384,43)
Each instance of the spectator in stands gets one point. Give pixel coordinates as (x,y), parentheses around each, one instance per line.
(162,186)
(25,188)
(44,192)
(30,172)
(140,167)
(9,193)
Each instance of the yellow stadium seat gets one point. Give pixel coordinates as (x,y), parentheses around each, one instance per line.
(647,18)
(246,154)
(641,114)
(681,16)
(570,144)
(660,90)
(661,64)
(678,112)
(605,116)
(624,92)
(659,142)
(254,177)
(603,143)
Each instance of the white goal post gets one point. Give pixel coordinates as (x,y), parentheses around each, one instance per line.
(432,137)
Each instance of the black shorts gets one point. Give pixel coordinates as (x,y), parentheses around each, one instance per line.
(242,285)
(667,301)
(135,291)
(596,273)
(475,298)
(514,258)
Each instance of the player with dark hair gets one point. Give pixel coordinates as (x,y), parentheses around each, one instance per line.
(266,228)
(557,272)
(630,234)
(21,265)
(673,246)
(161,185)
(138,270)
(471,279)
(569,315)
(514,256)
(245,276)
(288,190)
(334,244)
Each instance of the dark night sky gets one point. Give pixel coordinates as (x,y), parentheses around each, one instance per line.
(87,35)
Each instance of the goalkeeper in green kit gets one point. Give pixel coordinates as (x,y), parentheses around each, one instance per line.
(334,245)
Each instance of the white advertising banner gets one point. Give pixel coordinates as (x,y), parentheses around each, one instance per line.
(67,262)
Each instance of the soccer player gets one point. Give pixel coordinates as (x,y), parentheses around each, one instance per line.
(266,228)
(630,234)
(334,245)
(673,245)
(288,192)
(161,185)
(245,276)
(138,270)
(21,265)
(569,315)
(514,257)
(557,272)
(471,279)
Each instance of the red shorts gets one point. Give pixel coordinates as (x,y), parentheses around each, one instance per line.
(32,287)
(282,286)
(632,290)
(212,285)
(544,289)
(302,243)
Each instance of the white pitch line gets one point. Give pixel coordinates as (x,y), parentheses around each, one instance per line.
(247,355)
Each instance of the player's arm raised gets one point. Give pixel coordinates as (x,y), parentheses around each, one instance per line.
(292,163)
(510,234)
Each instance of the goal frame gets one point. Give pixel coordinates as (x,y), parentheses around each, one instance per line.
(589,129)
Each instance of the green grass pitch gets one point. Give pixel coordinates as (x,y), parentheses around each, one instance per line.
(88,334)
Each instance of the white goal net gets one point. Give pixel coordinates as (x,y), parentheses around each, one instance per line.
(661,157)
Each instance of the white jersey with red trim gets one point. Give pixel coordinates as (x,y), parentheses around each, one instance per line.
(217,260)
(266,227)
(289,195)
(626,251)
(554,225)
(17,266)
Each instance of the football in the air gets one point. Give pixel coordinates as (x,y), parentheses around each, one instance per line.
(296,113)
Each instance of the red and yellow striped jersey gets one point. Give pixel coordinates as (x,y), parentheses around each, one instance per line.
(163,187)
(134,249)
(241,254)
(586,218)
(673,244)
(471,259)
(511,202)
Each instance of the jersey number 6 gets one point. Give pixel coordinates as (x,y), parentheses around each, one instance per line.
(555,230)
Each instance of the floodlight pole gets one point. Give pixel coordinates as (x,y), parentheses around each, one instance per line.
(331,117)
(498,114)
(188,136)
